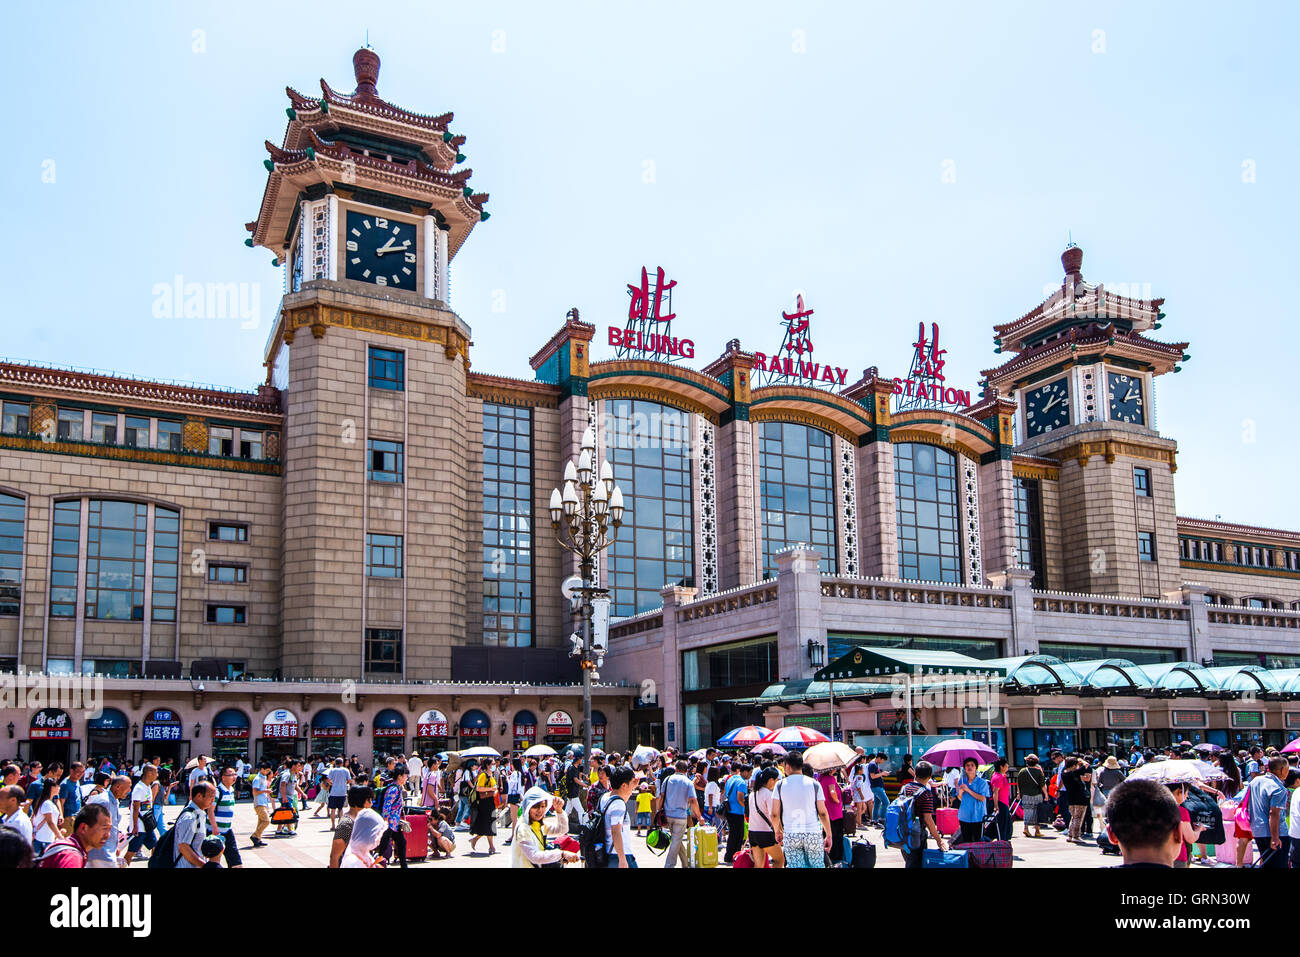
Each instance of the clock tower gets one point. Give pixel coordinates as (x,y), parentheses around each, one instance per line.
(1083,377)
(366,204)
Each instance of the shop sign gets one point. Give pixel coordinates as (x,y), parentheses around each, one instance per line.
(1247,719)
(525,730)
(1058,718)
(161,725)
(559,725)
(51,724)
(1179,718)
(1126,718)
(390,732)
(1293,719)
(888,720)
(473,732)
(280,723)
(971,716)
(432,724)
(323,732)
(229,734)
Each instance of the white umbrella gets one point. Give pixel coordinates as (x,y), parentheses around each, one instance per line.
(1179,771)
(482,751)
(540,751)
(643,756)
(829,755)
(700,753)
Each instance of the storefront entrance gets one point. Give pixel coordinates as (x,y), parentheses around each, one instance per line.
(525,731)
(329,733)
(230,734)
(390,735)
(430,733)
(161,736)
(279,738)
(106,737)
(50,738)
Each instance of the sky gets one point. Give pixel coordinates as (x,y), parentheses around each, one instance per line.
(898,163)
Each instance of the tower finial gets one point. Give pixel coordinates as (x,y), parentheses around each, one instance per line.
(365,64)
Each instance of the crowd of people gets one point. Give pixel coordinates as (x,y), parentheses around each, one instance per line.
(761,810)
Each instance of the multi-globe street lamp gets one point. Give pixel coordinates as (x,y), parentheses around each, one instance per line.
(586,516)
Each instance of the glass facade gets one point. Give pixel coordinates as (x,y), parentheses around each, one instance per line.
(115,547)
(648,445)
(928,534)
(796,483)
(841,643)
(1080,652)
(1029,528)
(12,512)
(507,525)
(65,550)
(166,562)
(726,666)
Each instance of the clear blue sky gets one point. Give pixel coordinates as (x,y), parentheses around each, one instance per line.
(773,170)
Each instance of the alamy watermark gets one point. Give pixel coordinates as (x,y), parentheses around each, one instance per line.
(36,691)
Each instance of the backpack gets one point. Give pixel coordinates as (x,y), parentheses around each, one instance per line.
(902,827)
(592,839)
(56,846)
(562,791)
(466,788)
(165,853)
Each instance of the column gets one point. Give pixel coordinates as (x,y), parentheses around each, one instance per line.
(670,690)
(997,506)
(799,610)
(1192,595)
(1024,637)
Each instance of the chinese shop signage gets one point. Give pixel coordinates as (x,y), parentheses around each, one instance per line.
(229,734)
(926,385)
(525,730)
(972,716)
(51,724)
(1188,719)
(280,723)
(793,360)
(559,725)
(432,724)
(161,725)
(1293,720)
(1058,718)
(648,332)
(1247,719)
(1126,718)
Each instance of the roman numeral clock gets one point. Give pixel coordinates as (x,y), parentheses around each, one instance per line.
(380,250)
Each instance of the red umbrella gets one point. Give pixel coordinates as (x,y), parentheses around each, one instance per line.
(794,736)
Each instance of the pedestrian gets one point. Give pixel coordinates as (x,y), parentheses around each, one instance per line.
(860,785)
(359,797)
(464,792)
(573,788)
(262,802)
(1142,817)
(534,839)
(140,827)
(678,802)
(876,778)
(832,795)
(12,814)
(415,772)
(193,826)
(211,850)
(368,830)
(339,780)
(762,832)
(1187,831)
(735,801)
(1076,779)
(392,805)
(974,793)
(803,826)
(90,829)
(514,796)
(645,800)
(483,823)
(618,818)
(1000,784)
(200,772)
(45,814)
(222,817)
(70,792)
(1267,795)
(924,812)
(1031,782)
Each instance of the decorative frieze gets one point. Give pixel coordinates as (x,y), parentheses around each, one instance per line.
(848,508)
(971,521)
(706,494)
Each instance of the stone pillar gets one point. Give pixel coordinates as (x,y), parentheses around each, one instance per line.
(1192,594)
(799,609)
(670,689)
(997,505)
(735,466)
(877,511)
(1024,637)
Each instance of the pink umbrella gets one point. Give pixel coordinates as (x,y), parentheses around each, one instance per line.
(794,736)
(769,749)
(1292,746)
(951,753)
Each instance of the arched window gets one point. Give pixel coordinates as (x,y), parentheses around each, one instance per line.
(648,445)
(796,485)
(928,532)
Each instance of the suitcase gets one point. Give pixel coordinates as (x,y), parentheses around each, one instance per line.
(934,858)
(704,846)
(850,823)
(417,838)
(947,821)
(989,854)
(863,855)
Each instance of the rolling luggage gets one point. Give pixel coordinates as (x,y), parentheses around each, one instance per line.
(417,838)
(988,854)
(850,822)
(946,819)
(863,855)
(704,846)
(932,857)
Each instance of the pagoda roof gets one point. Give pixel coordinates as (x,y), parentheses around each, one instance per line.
(1097,340)
(315,150)
(1077,301)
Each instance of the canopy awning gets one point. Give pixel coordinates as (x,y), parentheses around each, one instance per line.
(863,662)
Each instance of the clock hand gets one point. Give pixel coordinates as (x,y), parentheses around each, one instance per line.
(1132,393)
(1051,402)
(388,247)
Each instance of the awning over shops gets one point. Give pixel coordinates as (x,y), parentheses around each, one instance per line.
(1036,674)
(1181,677)
(864,662)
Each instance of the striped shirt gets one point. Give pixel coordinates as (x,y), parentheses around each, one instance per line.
(225,811)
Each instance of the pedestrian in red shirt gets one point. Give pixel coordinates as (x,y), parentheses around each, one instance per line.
(90,829)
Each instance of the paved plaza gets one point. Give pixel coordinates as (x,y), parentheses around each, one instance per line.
(310,848)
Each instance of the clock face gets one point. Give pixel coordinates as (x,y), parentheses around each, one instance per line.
(1047,408)
(379,250)
(1126,398)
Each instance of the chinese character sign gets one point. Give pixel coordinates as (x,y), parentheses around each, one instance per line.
(640,307)
(793,359)
(648,331)
(925,386)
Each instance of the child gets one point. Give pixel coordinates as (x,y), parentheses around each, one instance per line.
(644,802)
(442,834)
(212,847)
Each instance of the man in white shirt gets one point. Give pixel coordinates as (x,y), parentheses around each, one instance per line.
(11,811)
(803,826)
(340,778)
(200,772)
(141,804)
(415,766)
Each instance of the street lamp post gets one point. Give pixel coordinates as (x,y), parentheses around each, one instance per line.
(586,517)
